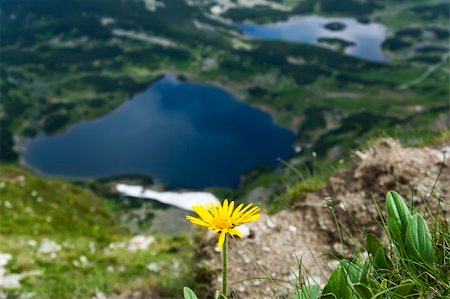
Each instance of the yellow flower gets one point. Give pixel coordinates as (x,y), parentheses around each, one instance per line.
(223,219)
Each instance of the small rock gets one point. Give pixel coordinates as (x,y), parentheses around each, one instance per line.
(292,228)
(153,267)
(270,223)
(49,246)
(140,243)
(244,230)
(333,264)
(99,295)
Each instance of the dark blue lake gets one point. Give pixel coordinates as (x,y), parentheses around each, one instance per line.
(183,134)
(367,38)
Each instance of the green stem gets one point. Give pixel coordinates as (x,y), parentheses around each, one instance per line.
(225,267)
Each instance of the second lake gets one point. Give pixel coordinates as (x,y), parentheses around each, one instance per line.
(364,39)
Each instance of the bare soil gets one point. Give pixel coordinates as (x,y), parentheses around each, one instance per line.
(265,263)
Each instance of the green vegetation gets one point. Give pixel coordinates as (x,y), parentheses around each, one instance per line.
(65,62)
(66,242)
(61,66)
(413,264)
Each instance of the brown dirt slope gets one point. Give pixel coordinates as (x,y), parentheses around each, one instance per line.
(309,233)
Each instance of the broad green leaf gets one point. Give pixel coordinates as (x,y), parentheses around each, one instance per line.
(364,270)
(381,261)
(339,283)
(353,271)
(308,292)
(189,294)
(363,291)
(405,288)
(372,244)
(398,217)
(418,240)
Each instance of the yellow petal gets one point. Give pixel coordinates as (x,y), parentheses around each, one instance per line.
(230,209)
(197,221)
(250,219)
(250,212)
(235,232)
(236,212)
(225,207)
(213,210)
(219,209)
(246,208)
(204,213)
(221,239)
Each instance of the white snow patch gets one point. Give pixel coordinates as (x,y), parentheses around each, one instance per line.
(182,200)
(106,21)
(223,6)
(143,37)
(152,5)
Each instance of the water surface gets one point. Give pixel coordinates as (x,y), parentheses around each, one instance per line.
(183,134)
(367,38)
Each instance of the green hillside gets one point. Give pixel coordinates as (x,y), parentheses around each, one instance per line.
(67,243)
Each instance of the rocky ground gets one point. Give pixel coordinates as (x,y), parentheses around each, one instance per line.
(263,264)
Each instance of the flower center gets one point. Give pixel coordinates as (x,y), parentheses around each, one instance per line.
(221,223)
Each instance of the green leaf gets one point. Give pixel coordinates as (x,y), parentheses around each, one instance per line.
(405,288)
(365,270)
(398,217)
(372,244)
(339,283)
(353,271)
(189,294)
(381,260)
(418,240)
(384,284)
(363,291)
(308,292)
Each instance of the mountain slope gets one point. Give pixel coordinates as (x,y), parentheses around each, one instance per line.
(309,233)
(62,241)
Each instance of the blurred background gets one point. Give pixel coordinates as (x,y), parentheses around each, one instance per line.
(117,116)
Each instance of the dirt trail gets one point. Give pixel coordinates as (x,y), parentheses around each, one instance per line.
(309,232)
